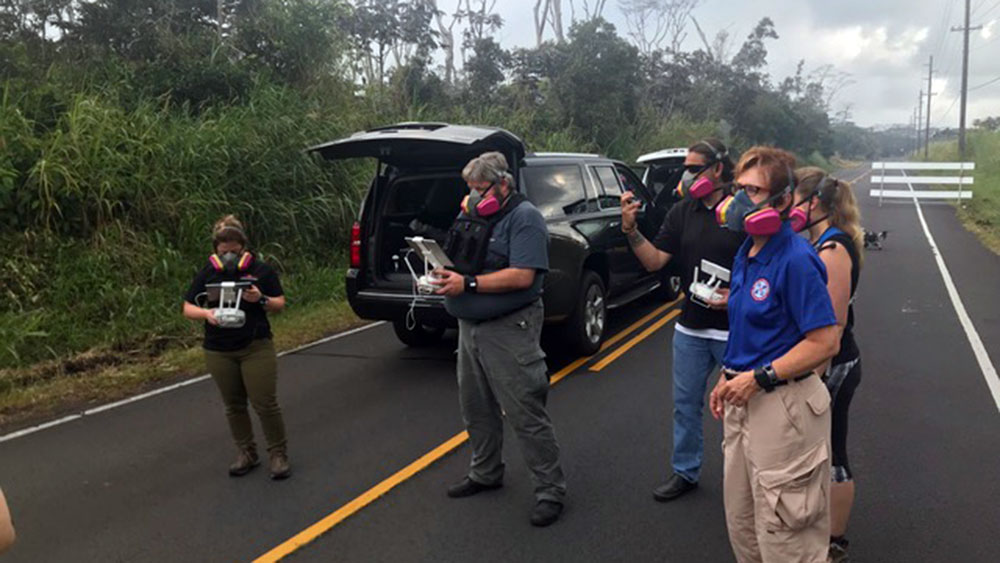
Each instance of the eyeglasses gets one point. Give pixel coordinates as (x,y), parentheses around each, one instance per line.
(750,189)
(484,190)
(696,168)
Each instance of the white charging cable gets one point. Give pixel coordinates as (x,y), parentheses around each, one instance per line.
(411,316)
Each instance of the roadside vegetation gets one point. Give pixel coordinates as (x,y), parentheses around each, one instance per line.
(128,127)
(981,214)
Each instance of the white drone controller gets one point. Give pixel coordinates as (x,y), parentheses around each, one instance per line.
(704,293)
(229,314)
(434,258)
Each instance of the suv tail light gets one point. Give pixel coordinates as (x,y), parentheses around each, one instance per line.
(356,245)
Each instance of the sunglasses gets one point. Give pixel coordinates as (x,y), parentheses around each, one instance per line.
(696,168)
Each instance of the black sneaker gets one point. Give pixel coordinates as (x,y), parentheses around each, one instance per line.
(838,551)
(545,513)
(467,487)
(673,488)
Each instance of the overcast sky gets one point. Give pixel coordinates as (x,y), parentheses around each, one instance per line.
(883,44)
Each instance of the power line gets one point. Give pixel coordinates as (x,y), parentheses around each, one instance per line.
(987,12)
(948,111)
(945,35)
(984,84)
(986,43)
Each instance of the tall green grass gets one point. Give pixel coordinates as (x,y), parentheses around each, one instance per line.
(982,212)
(107,214)
(107,200)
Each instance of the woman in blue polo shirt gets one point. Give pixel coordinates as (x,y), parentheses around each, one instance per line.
(776,437)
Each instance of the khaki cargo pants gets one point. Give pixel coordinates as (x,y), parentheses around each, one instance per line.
(501,373)
(776,480)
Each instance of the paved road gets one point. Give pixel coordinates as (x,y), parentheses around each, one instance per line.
(147,481)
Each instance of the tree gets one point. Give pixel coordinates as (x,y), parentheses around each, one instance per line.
(752,56)
(592,9)
(382,28)
(446,37)
(596,88)
(656,25)
(297,40)
(987,123)
(485,71)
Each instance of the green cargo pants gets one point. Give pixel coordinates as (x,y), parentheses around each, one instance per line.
(249,373)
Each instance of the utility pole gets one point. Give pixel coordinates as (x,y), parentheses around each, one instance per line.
(930,93)
(920,118)
(965,79)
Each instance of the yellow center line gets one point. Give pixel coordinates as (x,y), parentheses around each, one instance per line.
(324,525)
(631,343)
(369,496)
(614,339)
(860,176)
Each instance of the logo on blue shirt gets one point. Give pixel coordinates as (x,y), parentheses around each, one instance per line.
(760,290)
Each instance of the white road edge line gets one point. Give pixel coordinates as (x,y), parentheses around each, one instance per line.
(985,364)
(70,418)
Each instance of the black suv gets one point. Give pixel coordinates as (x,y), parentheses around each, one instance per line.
(417,189)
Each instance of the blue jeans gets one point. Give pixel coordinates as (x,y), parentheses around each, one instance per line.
(694,360)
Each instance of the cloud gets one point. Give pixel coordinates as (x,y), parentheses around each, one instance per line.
(866,45)
(883,44)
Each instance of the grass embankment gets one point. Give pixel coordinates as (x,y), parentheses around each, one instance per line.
(102,375)
(981,214)
(106,215)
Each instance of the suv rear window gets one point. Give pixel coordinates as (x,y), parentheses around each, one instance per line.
(557,189)
(664,174)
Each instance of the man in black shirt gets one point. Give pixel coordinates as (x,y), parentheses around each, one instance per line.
(690,234)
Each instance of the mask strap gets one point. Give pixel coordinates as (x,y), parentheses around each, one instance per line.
(817,194)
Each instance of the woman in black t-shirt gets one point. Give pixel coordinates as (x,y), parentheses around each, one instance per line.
(242,359)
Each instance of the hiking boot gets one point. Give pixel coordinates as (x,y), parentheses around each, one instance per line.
(245,461)
(279,465)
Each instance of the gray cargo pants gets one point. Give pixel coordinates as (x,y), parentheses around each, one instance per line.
(502,365)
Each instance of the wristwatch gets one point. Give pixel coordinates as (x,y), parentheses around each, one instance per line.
(471,285)
(263,300)
(766,378)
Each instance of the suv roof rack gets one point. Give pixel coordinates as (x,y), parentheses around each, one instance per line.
(665,153)
(429,125)
(569,154)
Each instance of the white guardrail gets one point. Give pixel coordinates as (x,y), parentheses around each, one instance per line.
(962,179)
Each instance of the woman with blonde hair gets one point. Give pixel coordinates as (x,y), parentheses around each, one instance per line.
(240,355)
(826,210)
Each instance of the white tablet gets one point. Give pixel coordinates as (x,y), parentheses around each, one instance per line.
(430,250)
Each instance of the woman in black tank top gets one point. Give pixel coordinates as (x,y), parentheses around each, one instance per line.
(827,213)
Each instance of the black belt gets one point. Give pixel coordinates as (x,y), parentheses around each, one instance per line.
(508,313)
(731,374)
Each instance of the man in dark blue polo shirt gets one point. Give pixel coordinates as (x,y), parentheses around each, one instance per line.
(501,365)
